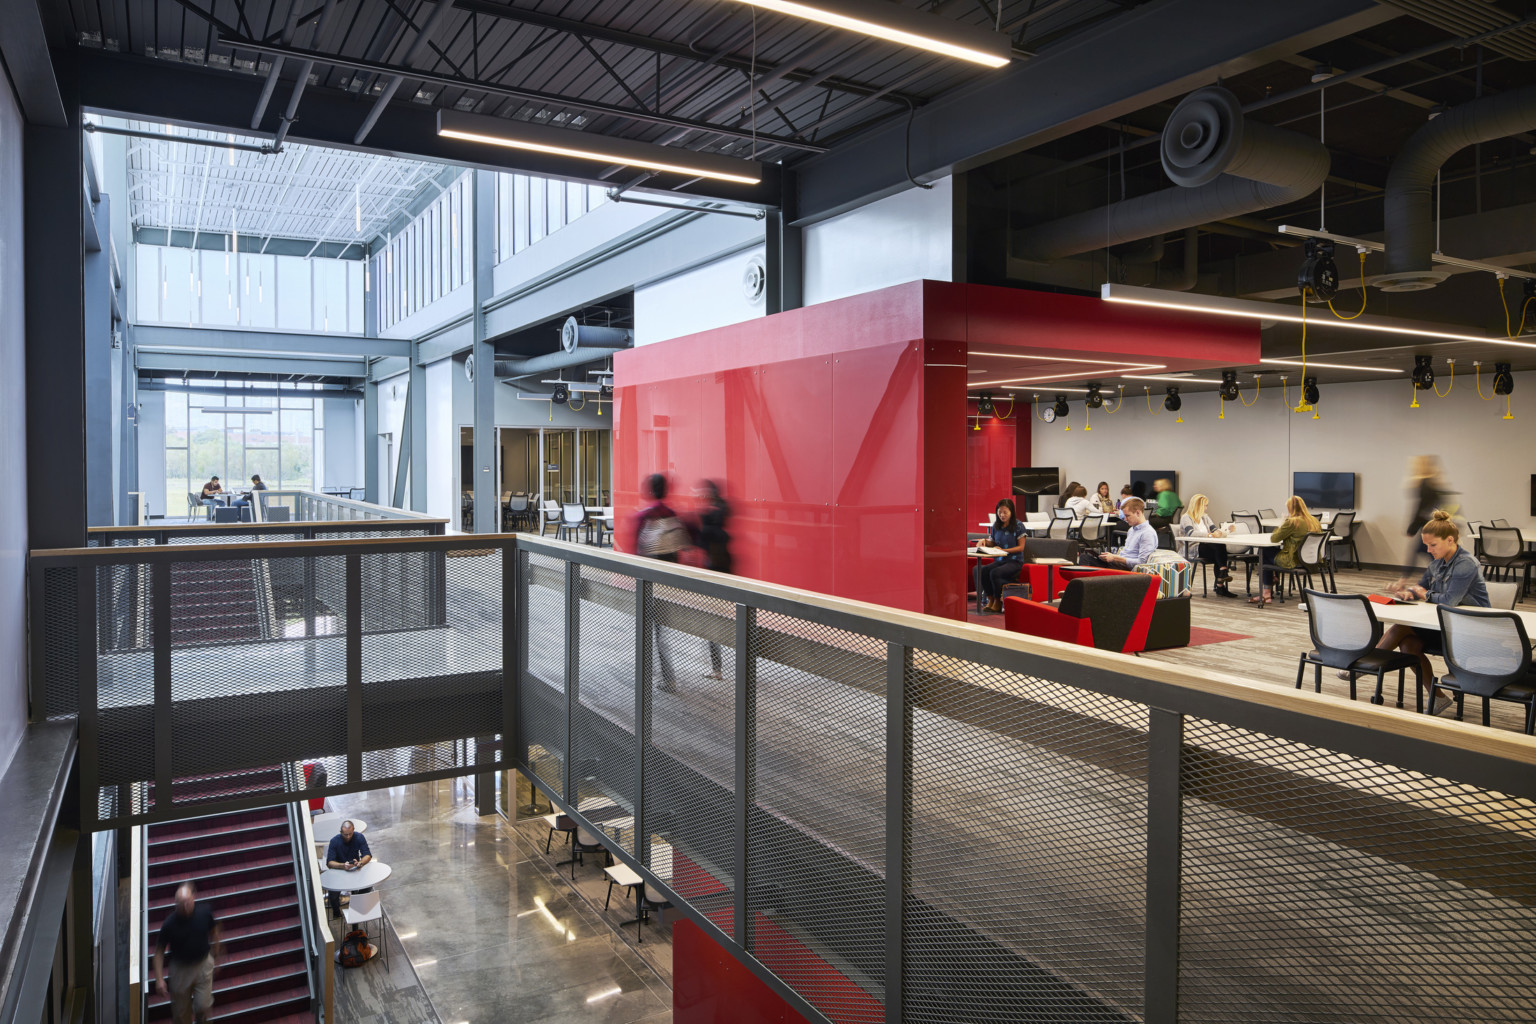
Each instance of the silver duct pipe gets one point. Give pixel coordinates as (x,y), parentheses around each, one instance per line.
(549,361)
(574,336)
(1223,166)
(1409,215)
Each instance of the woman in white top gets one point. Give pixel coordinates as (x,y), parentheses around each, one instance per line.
(1076,498)
(1193,524)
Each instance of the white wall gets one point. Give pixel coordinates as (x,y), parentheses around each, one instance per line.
(13,432)
(905,237)
(1246,460)
(341,466)
(151,434)
(698,300)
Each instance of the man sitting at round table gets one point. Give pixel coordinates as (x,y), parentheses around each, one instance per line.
(348,852)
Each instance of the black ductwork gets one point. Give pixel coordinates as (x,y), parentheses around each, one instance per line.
(1224,165)
(1409,216)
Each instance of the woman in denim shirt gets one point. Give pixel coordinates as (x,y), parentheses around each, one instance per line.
(1453,578)
(1008,535)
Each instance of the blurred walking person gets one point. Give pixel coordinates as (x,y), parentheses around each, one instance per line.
(715,541)
(192,936)
(661,535)
(1427,491)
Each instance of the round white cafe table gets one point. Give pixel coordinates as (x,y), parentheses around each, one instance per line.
(330,824)
(366,877)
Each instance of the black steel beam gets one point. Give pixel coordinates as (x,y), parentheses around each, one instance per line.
(24,46)
(222,101)
(1091,78)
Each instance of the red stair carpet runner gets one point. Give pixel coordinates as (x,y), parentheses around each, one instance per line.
(241,863)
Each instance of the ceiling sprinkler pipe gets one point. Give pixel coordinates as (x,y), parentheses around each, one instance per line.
(1225,166)
(1409,214)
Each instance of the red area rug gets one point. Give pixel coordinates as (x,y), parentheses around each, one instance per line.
(1199,636)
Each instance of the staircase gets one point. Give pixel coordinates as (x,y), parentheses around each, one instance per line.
(215,603)
(242,864)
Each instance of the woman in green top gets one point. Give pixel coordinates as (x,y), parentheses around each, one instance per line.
(1299,521)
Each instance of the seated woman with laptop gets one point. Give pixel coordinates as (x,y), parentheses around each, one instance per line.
(1299,521)
(1453,578)
(1193,525)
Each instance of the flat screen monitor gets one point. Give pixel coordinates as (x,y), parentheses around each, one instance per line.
(1324,490)
(1032,480)
(1533,494)
(1142,479)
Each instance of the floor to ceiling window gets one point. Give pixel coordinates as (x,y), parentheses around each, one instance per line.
(233,430)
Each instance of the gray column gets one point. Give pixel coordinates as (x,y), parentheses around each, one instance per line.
(483,240)
(417,429)
(371,442)
(784,255)
(55,342)
(98,371)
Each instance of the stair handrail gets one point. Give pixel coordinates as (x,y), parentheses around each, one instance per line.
(139,979)
(319,954)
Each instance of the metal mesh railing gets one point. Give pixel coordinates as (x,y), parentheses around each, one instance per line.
(887,816)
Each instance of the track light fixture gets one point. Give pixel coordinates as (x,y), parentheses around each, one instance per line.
(1172,402)
(1423,373)
(562,394)
(1309,390)
(1319,274)
(984,406)
(1503,382)
(1228,389)
(1094,399)
(1060,408)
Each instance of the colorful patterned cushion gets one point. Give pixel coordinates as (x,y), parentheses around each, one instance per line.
(1177,576)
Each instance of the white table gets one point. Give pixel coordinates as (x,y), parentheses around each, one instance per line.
(366,877)
(1274,524)
(1423,615)
(1237,540)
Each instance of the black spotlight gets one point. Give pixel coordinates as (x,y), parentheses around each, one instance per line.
(1319,274)
(984,404)
(1060,408)
(1503,383)
(605,392)
(1309,390)
(1228,389)
(1094,399)
(1423,373)
(561,395)
(1173,403)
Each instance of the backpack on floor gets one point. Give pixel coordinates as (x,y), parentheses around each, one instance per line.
(355,950)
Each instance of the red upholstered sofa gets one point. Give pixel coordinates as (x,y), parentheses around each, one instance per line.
(1108,609)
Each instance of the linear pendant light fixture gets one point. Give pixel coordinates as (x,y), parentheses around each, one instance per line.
(896,24)
(538,138)
(1191,302)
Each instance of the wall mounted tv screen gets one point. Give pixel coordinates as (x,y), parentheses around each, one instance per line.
(1032,480)
(1324,490)
(1142,479)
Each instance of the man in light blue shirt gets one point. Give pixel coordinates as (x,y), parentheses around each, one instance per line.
(1139,543)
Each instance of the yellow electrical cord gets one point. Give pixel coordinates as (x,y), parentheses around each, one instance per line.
(1452,380)
(1258,383)
(1154,412)
(1508,413)
(1477,376)
(1415,403)
(1364,296)
(1111,412)
(1524,306)
(1011,403)
(1303,405)
(1087,423)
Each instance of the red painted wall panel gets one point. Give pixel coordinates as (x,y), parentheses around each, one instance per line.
(944,487)
(712,987)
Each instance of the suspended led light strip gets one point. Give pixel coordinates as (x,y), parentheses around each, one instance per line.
(1074,375)
(897,24)
(1219,305)
(538,138)
(1052,359)
(1331,366)
(1169,377)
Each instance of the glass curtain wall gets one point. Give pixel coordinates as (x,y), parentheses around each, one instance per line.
(202,288)
(222,430)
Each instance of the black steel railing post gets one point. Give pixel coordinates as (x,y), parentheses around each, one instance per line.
(160,625)
(511,647)
(642,714)
(1165,856)
(89,721)
(746,763)
(572,668)
(898,813)
(354,669)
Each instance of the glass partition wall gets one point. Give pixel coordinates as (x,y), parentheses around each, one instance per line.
(231,429)
(562,465)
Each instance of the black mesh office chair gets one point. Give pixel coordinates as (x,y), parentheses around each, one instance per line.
(1488,655)
(1268,513)
(1311,560)
(1345,632)
(1504,554)
(1343,527)
(1248,558)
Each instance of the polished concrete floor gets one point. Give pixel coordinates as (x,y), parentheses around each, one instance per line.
(491,928)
